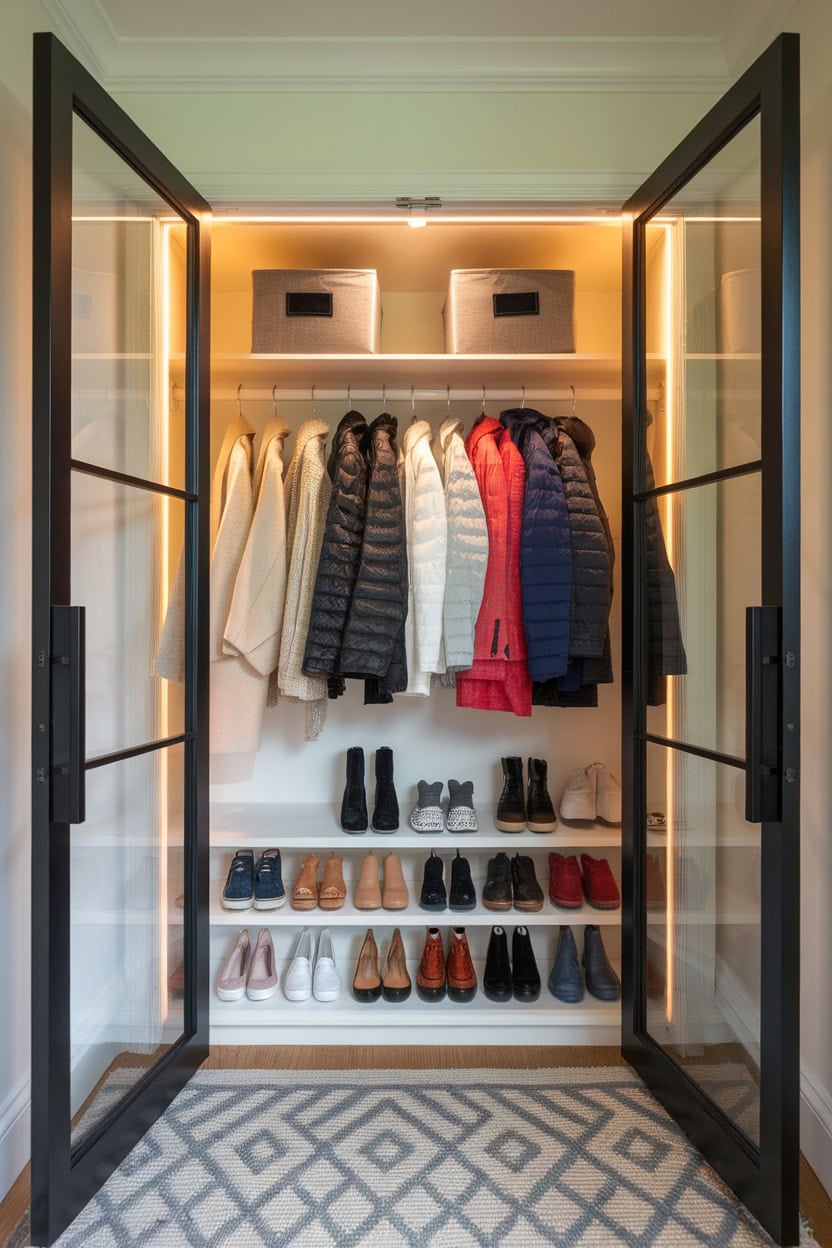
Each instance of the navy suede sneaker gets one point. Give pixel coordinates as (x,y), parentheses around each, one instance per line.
(269,893)
(238,893)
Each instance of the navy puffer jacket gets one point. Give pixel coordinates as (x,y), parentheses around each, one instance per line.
(591,562)
(341,548)
(545,550)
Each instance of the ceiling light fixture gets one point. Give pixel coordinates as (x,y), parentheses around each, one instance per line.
(417,209)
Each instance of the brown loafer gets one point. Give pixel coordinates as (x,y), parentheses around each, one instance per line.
(366,984)
(395,896)
(367,891)
(305,891)
(395,984)
(333,891)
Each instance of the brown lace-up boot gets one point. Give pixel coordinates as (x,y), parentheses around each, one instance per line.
(430,978)
(462,978)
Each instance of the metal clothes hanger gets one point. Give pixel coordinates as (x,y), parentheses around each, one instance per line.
(413,405)
(572,388)
(349,398)
(239,399)
(274,401)
(314,402)
(523,401)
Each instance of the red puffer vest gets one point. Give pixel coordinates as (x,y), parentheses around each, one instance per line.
(499,678)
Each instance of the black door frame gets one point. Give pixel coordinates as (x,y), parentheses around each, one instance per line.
(63,1178)
(765,1179)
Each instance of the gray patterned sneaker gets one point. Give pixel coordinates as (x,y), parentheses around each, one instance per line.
(461,814)
(426,815)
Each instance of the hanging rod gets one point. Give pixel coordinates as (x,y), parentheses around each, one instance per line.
(437,394)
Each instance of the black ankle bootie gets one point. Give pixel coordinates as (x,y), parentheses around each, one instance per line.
(433,895)
(386,811)
(511,808)
(601,980)
(496,982)
(354,804)
(539,807)
(524,973)
(463,894)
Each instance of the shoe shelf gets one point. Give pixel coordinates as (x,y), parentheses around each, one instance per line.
(314,826)
(413,916)
(347,1021)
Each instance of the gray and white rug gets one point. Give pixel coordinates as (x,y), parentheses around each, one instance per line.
(446,1159)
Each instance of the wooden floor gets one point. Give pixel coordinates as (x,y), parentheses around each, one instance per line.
(814,1202)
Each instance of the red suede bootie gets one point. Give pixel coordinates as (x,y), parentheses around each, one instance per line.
(600,888)
(565,882)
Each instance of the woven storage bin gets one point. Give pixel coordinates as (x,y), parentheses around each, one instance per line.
(738,312)
(299,311)
(510,311)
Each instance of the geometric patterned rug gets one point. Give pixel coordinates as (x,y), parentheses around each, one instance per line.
(389,1158)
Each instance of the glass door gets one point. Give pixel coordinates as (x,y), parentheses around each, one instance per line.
(120,939)
(711,706)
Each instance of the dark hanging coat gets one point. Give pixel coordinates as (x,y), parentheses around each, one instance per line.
(591,563)
(545,550)
(341,549)
(373,642)
(665,647)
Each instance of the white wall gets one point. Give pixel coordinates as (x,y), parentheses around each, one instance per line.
(18,21)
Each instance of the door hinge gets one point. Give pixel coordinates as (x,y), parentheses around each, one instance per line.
(790,658)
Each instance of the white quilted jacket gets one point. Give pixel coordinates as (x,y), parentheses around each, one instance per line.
(467,556)
(426,529)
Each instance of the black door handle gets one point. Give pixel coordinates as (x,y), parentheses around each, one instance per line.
(762,714)
(68,722)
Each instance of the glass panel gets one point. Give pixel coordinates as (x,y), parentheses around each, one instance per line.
(122,566)
(126,930)
(712,537)
(703,318)
(703,928)
(129,283)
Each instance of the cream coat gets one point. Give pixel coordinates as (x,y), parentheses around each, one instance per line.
(255,620)
(238,691)
(467,557)
(427,543)
(307,490)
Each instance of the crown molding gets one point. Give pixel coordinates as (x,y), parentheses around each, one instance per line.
(750,28)
(384,64)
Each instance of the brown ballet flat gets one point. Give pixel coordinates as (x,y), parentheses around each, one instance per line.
(305,891)
(333,891)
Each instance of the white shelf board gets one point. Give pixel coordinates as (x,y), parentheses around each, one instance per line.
(347,1012)
(308,826)
(412,916)
(428,370)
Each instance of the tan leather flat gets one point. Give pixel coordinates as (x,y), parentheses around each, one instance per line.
(395,895)
(333,891)
(367,891)
(396,984)
(305,891)
(366,984)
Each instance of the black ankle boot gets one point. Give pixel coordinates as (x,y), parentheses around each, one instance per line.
(511,809)
(496,982)
(434,895)
(541,812)
(524,973)
(463,893)
(386,812)
(354,804)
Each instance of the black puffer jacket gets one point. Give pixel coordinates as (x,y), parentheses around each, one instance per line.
(379,602)
(341,549)
(591,563)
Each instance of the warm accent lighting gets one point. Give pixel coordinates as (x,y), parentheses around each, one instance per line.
(417,223)
(670,914)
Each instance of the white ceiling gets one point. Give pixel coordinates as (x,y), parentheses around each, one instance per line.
(211,45)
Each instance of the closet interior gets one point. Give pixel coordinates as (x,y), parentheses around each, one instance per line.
(287,794)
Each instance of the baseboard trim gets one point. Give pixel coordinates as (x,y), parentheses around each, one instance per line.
(15,1123)
(816,1126)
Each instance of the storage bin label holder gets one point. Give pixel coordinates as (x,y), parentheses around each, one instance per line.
(517,303)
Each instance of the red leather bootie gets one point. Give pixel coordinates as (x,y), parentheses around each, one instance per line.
(430,978)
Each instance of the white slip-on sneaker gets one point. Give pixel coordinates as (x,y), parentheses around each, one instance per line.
(578,798)
(231,981)
(298,982)
(326,982)
(262,978)
(607,795)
